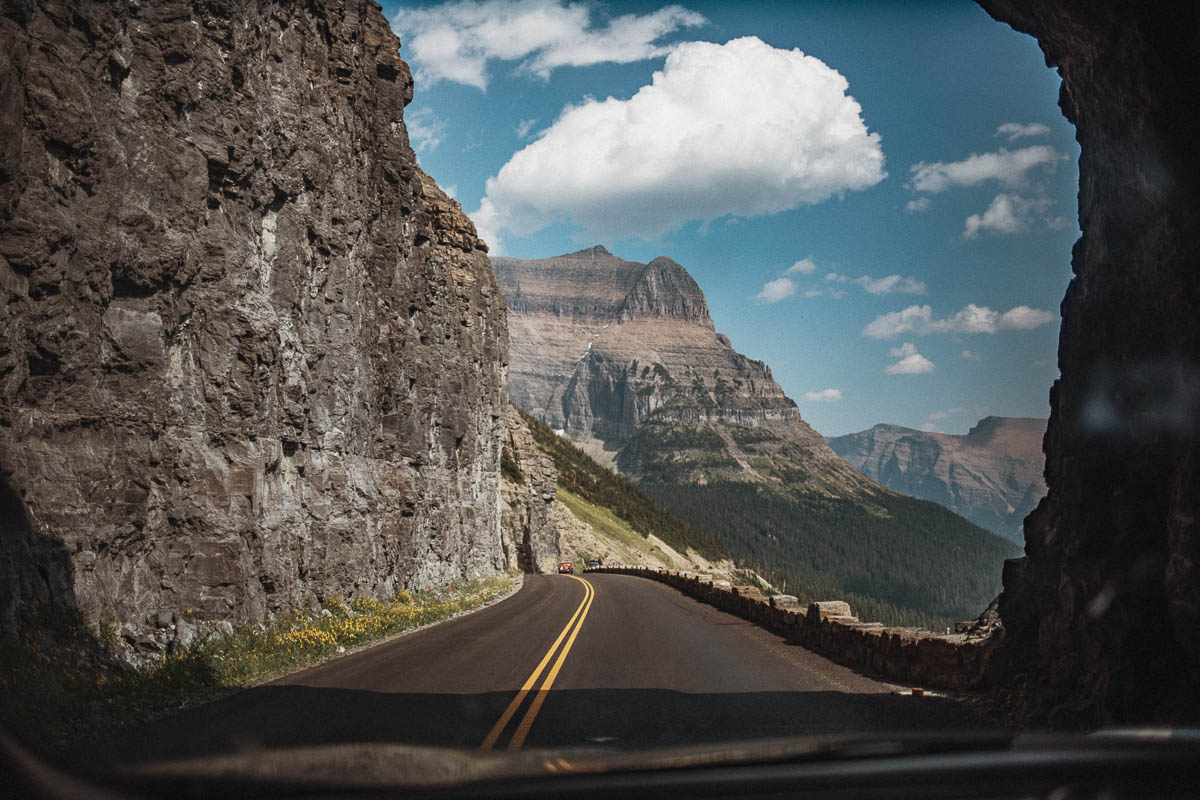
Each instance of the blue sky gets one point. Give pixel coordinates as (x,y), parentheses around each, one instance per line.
(878,199)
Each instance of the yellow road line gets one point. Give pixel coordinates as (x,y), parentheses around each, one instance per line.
(518,738)
(502,723)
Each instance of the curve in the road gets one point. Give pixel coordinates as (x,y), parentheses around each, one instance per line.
(569,632)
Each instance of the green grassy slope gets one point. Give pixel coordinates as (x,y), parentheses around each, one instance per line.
(581,475)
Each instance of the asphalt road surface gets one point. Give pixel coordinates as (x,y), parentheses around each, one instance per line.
(588,660)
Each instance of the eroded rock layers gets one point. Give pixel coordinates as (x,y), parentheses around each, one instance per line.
(602,346)
(992,475)
(1103,613)
(252,356)
(529,486)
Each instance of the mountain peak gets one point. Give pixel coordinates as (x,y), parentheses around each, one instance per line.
(666,289)
(595,250)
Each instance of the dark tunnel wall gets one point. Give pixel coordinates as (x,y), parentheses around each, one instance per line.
(1102,616)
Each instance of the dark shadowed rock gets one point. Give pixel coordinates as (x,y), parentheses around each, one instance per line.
(252,356)
(1103,614)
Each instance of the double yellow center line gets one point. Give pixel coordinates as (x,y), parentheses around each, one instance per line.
(569,633)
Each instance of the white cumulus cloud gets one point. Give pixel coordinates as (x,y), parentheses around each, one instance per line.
(823,396)
(971,319)
(776,290)
(741,129)
(1007,167)
(911,362)
(970,355)
(917,206)
(1007,213)
(1015,130)
(455,41)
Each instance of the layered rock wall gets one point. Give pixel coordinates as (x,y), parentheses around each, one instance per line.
(529,486)
(251,356)
(601,345)
(1102,616)
(992,475)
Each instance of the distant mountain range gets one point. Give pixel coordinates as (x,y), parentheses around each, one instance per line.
(624,359)
(992,475)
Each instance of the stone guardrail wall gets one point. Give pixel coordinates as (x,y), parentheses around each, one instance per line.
(909,655)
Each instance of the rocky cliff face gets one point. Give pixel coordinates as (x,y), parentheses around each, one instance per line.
(529,485)
(992,476)
(252,355)
(1103,614)
(602,346)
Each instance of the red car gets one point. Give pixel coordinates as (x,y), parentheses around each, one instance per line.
(565,566)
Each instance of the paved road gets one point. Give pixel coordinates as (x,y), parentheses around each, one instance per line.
(596,659)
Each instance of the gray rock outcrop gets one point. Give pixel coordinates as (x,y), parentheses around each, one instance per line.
(529,486)
(251,356)
(992,475)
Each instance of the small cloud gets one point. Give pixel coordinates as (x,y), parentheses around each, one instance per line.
(823,396)
(813,293)
(929,427)
(524,127)
(1024,318)
(971,319)
(1015,130)
(913,362)
(451,190)
(970,355)
(1007,213)
(804,266)
(1057,223)
(776,290)
(425,129)
(1006,167)
(917,206)
(888,285)
(947,413)
(892,283)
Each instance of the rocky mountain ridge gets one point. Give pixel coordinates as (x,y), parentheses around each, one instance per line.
(991,476)
(252,355)
(600,347)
